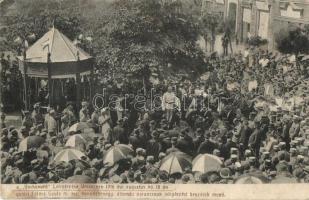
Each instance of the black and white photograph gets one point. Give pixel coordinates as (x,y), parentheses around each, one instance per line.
(154,91)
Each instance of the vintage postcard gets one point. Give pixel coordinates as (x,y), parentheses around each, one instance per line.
(154,99)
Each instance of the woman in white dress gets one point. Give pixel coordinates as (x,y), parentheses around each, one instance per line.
(105,122)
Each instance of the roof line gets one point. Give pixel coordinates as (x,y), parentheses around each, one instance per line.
(52,39)
(71,50)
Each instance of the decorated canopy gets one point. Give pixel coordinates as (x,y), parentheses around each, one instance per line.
(66,59)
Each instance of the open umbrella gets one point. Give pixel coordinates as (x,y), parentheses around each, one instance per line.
(206,163)
(176,162)
(251,179)
(80,126)
(305,58)
(116,153)
(79,179)
(284,180)
(67,155)
(30,142)
(76,141)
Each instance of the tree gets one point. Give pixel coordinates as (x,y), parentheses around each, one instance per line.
(36,17)
(144,37)
(292,40)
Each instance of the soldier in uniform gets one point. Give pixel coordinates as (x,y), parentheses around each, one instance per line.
(168,103)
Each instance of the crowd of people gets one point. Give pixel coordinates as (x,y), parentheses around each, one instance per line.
(250,112)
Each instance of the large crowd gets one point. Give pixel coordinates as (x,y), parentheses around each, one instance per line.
(249,112)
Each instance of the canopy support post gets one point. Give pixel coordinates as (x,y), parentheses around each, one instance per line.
(50,89)
(91,82)
(78,85)
(25,81)
(1,69)
(77,91)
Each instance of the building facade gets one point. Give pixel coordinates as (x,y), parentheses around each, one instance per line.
(265,18)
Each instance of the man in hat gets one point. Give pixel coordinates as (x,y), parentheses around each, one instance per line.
(255,139)
(253,164)
(65,120)
(161,157)
(226,176)
(173,148)
(231,161)
(151,170)
(198,139)
(53,146)
(285,136)
(207,146)
(70,110)
(84,112)
(293,156)
(24,132)
(95,119)
(154,146)
(245,133)
(139,160)
(282,161)
(37,116)
(185,143)
(5,145)
(118,134)
(295,128)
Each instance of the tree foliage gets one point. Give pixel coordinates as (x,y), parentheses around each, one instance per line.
(148,36)
(137,38)
(292,40)
(36,17)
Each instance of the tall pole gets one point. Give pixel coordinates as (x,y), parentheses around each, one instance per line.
(1,68)
(25,80)
(78,84)
(50,87)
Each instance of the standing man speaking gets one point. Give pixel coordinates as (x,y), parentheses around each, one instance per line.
(168,103)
